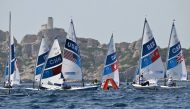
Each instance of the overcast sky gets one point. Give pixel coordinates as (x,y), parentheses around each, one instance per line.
(99,18)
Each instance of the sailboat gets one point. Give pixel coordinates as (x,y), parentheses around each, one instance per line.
(110,75)
(72,68)
(51,76)
(175,62)
(41,58)
(150,63)
(12,76)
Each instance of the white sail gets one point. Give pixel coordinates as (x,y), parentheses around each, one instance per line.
(51,75)
(42,55)
(71,59)
(16,79)
(151,65)
(110,70)
(175,62)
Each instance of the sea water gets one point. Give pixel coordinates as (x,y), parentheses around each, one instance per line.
(125,98)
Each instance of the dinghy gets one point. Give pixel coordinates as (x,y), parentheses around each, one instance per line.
(110,75)
(41,58)
(172,87)
(72,68)
(150,63)
(11,75)
(150,87)
(175,63)
(51,75)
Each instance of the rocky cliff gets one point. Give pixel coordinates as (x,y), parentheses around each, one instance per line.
(92,52)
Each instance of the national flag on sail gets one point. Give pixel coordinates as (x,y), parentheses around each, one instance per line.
(72,57)
(175,61)
(155,55)
(147,60)
(111,68)
(114,66)
(179,58)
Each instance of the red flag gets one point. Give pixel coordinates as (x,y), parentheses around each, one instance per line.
(179,58)
(114,66)
(155,55)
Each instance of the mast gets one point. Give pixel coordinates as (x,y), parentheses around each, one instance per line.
(141,48)
(9,84)
(165,76)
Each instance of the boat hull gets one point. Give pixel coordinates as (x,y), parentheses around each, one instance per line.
(83,88)
(94,87)
(173,87)
(139,87)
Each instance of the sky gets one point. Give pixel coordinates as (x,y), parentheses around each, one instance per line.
(98,19)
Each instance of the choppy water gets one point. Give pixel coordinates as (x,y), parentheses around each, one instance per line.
(126,97)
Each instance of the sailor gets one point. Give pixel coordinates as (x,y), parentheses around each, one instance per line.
(143,82)
(171,83)
(64,85)
(8,84)
(95,82)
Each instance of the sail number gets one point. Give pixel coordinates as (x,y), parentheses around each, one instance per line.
(72,46)
(113,57)
(151,45)
(176,49)
(56,60)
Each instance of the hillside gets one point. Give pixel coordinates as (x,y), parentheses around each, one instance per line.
(92,53)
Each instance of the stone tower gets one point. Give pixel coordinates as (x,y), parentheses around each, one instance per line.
(50,23)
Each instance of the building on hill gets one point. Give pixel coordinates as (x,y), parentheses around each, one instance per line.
(49,24)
